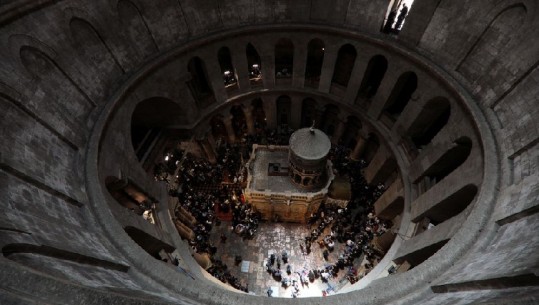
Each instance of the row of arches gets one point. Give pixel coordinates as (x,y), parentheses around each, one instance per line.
(284,51)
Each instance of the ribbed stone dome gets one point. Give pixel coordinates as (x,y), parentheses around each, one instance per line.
(310,144)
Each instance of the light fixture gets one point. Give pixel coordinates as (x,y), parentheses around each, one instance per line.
(255,66)
(227,72)
(166,158)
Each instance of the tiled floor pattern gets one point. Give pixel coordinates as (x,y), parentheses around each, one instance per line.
(275,238)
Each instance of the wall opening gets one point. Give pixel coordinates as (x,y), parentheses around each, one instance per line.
(227,68)
(254,65)
(400,95)
(284,58)
(315,59)
(374,74)
(199,83)
(344,65)
(432,118)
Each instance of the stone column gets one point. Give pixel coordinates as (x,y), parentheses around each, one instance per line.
(359,148)
(295,109)
(227,120)
(384,91)
(207,148)
(270,112)
(328,66)
(249,120)
(215,77)
(339,131)
(300,62)
(239,60)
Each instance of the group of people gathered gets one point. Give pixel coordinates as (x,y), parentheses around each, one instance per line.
(205,190)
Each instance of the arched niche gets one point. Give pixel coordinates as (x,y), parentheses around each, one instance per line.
(136,28)
(150,244)
(344,65)
(374,74)
(284,58)
(493,41)
(401,95)
(199,83)
(452,159)
(284,105)
(254,65)
(149,119)
(451,206)
(315,59)
(433,117)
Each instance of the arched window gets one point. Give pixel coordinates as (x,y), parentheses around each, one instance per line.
(432,118)
(227,69)
(344,65)
(254,65)
(396,16)
(199,83)
(284,58)
(401,94)
(315,58)
(376,69)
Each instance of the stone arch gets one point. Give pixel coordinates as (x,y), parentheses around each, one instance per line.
(433,117)
(493,41)
(401,94)
(199,83)
(284,58)
(374,74)
(136,28)
(344,65)
(150,117)
(227,68)
(451,206)
(147,242)
(452,159)
(95,47)
(315,59)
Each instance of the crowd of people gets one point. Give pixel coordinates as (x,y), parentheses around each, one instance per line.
(354,227)
(205,190)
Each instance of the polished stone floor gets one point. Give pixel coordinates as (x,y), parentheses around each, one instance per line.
(276,238)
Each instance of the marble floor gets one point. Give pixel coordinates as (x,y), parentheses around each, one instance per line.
(276,238)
